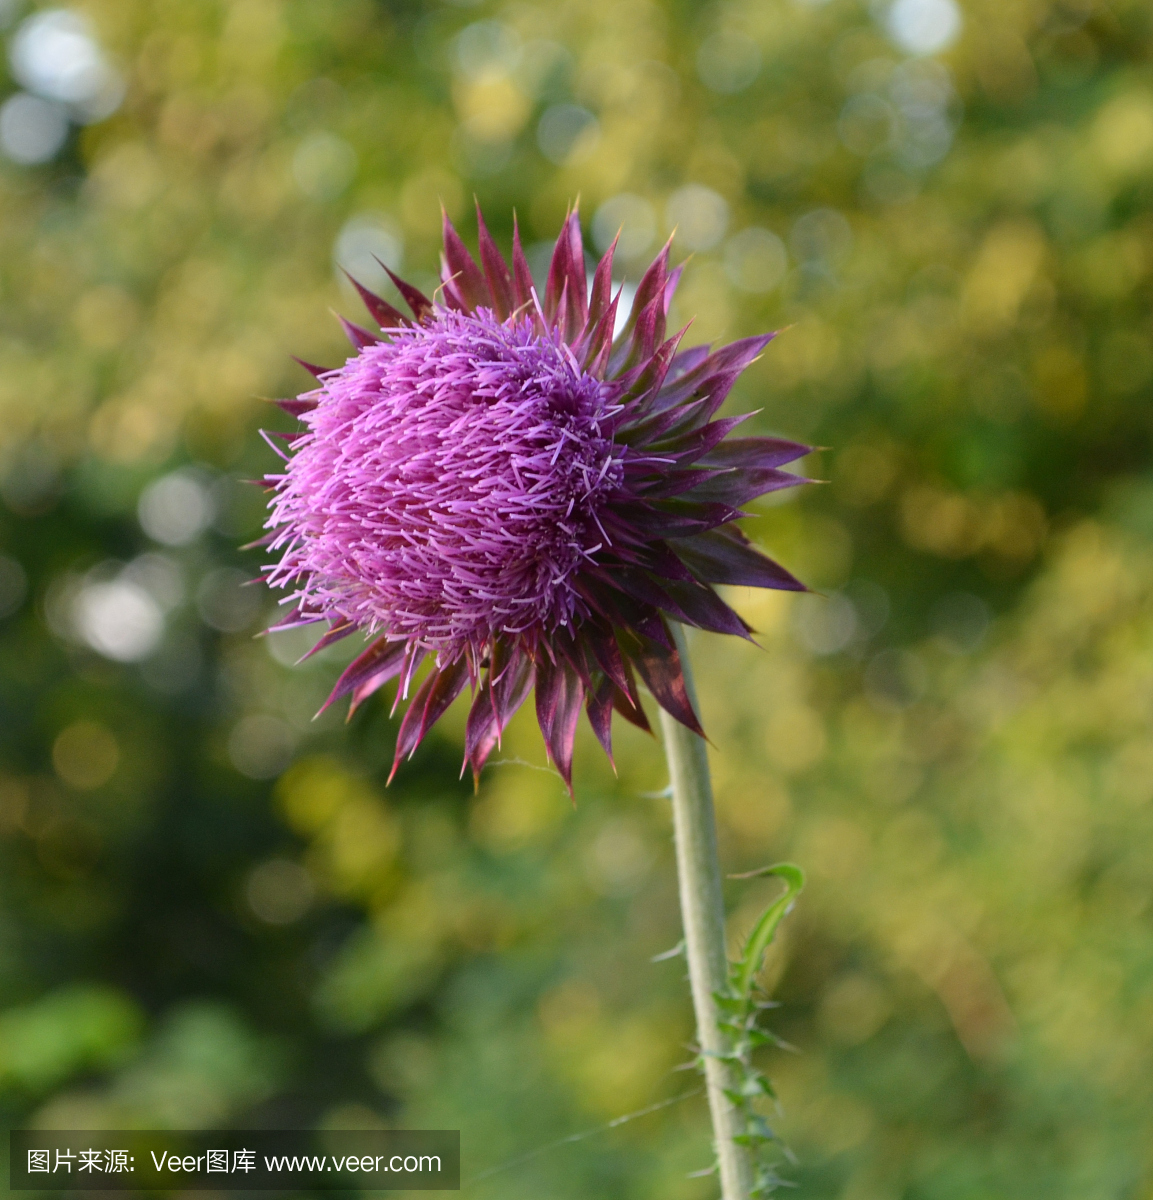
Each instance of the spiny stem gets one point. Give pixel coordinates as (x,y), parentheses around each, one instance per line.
(703,915)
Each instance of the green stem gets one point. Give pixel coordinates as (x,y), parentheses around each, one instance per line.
(703,915)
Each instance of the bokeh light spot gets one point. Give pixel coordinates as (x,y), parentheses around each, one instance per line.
(118,619)
(567,133)
(822,234)
(279,891)
(895,679)
(261,746)
(487,47)
(55,55)
(85,755)
(699,215)
(175,509)
(323,166)
(865,124)
(32,130)
(924,26)
(959,622)
(824,625)
(632,217)
(619,858)
(227,602)
(728,62)
(755,259)
(364,242)
(13,585)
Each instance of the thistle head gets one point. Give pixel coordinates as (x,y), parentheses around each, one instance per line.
(499,484)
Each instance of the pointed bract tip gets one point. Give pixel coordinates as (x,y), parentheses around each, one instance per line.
(356,334)
(315,371)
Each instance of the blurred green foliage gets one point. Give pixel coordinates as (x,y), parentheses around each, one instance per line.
(211,910)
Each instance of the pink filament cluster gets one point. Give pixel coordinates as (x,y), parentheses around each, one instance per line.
(449,485)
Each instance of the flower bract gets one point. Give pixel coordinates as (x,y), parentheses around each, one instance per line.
(500,486)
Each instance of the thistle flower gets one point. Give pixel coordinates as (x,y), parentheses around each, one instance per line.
(500,486)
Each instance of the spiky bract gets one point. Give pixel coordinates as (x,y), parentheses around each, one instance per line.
(499,484)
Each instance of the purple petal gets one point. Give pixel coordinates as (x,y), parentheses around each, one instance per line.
(429,704)
(511,689)
(312,368)
(650,288)
(676,483)
(374,683)
(413,656)
(521,275)
(296,619)
(756,452)
(621,612)
(578,655)
(688,359)
(378,664)
(357,334)
(652,374)
(731,359)
(726,556)
(738,355)
(670,519)
(337,633)
(656,556)
(568,268)
(420,304)
(484,728)
(379,309)
(705,609)
(559,693)
(687,601)
(740,485)
(629,707)
(660,668)
(643,588)
(598,348)
(649,331)
(463,277)
(599,706)
(561,316)
(495,270)
(602,288)
(695,445)
(480,734)
(299,405)
(608,655)
(665,426)
(671,286)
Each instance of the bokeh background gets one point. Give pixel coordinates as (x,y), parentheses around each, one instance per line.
(212,911)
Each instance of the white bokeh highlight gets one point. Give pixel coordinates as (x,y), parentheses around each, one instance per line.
(118,619)
(699,215)
(755,259)
(32,130)
(924,26)
(55,55)
(632,217)
(176,509)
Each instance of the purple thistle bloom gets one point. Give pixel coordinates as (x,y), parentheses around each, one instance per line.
(500,485)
